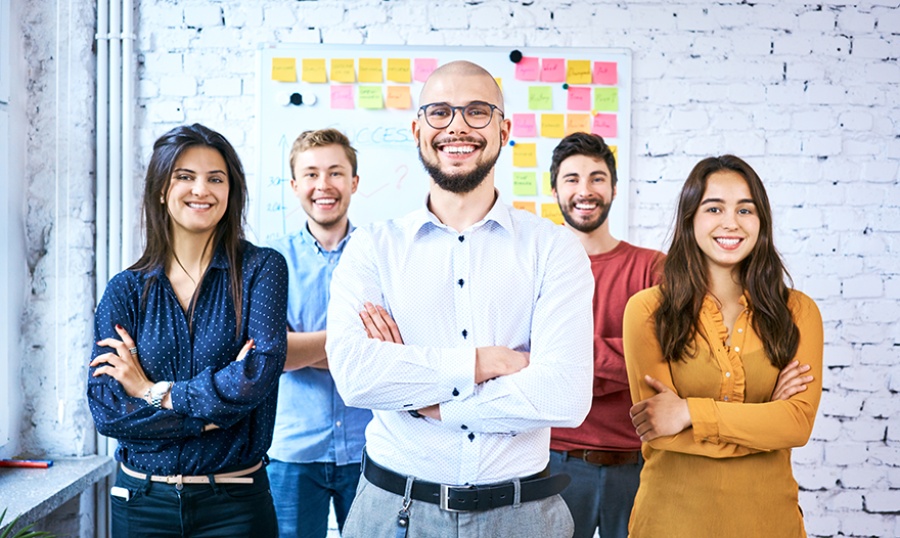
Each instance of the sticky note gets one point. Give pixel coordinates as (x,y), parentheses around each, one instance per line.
(523,125)
(605,125)
(606,73)
(284,69)
(526,206)
(578,123)
(553,70)
(398,97)
(552,125)
(343,70)
(615,152)
(370,97)
(606,99)
(524,184)
(398,70)
(499,82)
(578,98)
(525,155)
(552,212)
(528,68)
(545,185)
(314,70)
(422,68)
(370,70)
(578,72)
(540,98)
(342,97)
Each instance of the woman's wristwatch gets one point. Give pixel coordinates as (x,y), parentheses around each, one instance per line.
(155,394)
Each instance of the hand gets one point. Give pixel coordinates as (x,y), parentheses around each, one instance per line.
(121,365)
(495,361)
(791,381)
(660,415)
(432,411)
(246,349)
(379,324)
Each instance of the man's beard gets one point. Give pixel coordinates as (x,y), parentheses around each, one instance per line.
(590,226)
(460,183)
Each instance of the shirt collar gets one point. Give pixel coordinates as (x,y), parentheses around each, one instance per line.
(423,219)
(310,240)
(219,261)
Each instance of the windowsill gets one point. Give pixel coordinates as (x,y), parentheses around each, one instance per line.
(31,494)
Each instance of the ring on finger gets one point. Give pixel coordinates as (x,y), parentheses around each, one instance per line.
(133,351)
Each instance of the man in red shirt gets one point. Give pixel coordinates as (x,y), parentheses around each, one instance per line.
(603,454)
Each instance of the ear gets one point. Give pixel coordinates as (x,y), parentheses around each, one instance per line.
(614,192)
(505,128)
(355,184)
(415,131)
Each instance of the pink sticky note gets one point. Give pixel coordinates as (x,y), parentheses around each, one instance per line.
(606,73)
(342,96)
(422,68)
(528,68)
(524,125)
(553,70)
(579,98)
(605,125)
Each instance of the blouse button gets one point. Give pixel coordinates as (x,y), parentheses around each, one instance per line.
(726,398)
(727,374)
(736,348)
(740,330)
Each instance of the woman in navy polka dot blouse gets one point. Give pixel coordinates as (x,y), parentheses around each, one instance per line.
(190,344)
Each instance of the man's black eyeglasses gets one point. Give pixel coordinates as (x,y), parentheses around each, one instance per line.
(476,114)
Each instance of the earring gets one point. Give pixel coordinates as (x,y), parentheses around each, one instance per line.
(162,200)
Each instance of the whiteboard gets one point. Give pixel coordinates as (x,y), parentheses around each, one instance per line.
(392,180)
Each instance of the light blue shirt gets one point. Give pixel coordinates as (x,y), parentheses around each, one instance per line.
(512,279)
(312,423)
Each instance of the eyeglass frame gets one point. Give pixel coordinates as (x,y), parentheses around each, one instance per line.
(462,108)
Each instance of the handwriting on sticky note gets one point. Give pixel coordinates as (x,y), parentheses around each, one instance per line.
(370,70)
(523,125)
(398,70)
(540,98)
(606,73)
(422,68)
(524,184)
(342,97)
(553,70)
(545,185)
(606,99)
(552,125)
(605,125)
(370,97)
(578,72)
(343,70)
(578,123)
(284,69)
(314,70)
(552,212)
(578,98)
(525,155)
(525,206)
(398,97)
(528,68)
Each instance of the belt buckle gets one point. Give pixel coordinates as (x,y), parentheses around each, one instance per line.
(445,499)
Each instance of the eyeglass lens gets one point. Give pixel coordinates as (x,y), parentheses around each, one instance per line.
(477,115)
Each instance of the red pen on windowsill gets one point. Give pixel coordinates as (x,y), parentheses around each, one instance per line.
(33,464)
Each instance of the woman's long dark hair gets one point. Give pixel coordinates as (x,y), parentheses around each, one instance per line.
(762,274)
(229,232)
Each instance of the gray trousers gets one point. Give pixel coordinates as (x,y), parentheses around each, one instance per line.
(374,515)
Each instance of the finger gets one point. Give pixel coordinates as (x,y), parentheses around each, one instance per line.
(242,354)
(370,327)
(126,338)
(378,320)
(655,384)
(392,325)
(118,345)
(106,370)
(110,358)
(365,327)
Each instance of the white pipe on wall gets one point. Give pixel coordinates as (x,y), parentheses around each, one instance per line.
(115,137)
(128,220)
(102,165)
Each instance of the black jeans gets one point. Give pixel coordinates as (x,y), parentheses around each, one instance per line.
(156,509)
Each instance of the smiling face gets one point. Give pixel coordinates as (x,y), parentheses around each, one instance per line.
(197,197)
(584,192)
(726,225)
(323,182)
(458,158)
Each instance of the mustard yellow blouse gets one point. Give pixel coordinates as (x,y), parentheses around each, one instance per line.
(728,475)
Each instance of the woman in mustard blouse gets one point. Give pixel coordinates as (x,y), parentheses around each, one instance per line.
(724,363)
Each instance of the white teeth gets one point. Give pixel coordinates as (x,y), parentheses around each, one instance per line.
(458,149)
(585,206)
(325,201)
(727,242)
(199,206)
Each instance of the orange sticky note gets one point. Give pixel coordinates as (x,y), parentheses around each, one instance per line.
(578,72)
(370,70)
(525,155)
(284,69)
(398,97)
(343,70)
(552,212)
(314,70)
(552,125)
(398,70)
(526,206)
(606,73)
(578,123)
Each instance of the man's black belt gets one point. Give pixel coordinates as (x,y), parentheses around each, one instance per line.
(467,498)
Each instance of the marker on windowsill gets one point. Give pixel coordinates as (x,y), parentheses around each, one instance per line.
(33,464)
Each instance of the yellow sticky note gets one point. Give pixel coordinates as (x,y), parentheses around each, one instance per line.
(578,123)
(615,152)
(398,70)
(540,98)
(499,82)
(545,185)
(552,125)
(370,70)
(284,69)
(525,155)
(343,70)
(524,184)
(398,97)
(370,97)
(552,212)
(527,206)
(578,72)
(314,70)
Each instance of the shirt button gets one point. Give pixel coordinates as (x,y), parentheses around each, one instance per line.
(464,427)
(338,424)
(465,333)
(740,330)
(727,374)
(726,398)
(736,348)
(462,238)
(460,282)
(455,392)
(471,436)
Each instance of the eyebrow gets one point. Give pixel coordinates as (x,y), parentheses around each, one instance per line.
(592,173)
(721,201)
(193,172)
